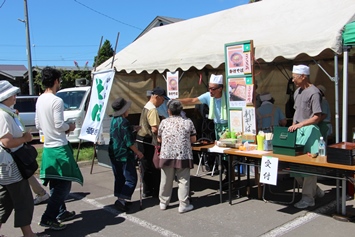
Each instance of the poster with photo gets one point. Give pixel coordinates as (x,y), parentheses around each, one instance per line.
(237,92)
(249,122)
(238,59)
(172,81)
(236,121)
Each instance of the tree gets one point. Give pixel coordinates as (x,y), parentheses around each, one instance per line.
(68,77)
(105,53)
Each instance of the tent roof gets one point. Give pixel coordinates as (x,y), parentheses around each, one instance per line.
(349,34)
(280,29)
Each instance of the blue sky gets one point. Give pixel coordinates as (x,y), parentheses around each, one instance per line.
(62,31)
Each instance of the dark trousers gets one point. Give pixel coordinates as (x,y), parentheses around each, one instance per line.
(59,190)
(125,178)
(151,175)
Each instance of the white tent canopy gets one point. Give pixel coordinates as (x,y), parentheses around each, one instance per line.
(280,29)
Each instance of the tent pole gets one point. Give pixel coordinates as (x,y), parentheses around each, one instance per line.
(345,92)
(335,79)
(336,82)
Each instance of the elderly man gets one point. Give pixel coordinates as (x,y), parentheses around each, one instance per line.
(308,112)
(216,101)
(147,139)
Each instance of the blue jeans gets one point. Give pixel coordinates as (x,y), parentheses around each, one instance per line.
(125,178)
(59,190)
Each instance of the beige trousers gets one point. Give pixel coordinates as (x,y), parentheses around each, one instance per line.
(309,186)
(37,188)
(166,185)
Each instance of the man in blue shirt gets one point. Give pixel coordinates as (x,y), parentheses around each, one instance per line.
(268,115)
(216,101)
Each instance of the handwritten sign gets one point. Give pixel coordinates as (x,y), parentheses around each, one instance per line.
(268,172)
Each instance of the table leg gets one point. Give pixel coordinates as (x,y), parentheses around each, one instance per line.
(220,177)
(337,194)
(343,196)
(230,179)
(200,156)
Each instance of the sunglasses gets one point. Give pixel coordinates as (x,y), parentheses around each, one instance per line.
(213,88)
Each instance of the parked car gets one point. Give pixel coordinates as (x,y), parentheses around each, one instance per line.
(26,105)
(76,101)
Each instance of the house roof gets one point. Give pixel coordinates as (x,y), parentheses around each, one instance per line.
(281,30)
(13,70)
(159,21)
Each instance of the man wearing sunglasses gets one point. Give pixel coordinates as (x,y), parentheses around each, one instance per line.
(216,101)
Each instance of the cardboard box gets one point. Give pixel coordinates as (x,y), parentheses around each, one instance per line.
(284,142)
(341,153)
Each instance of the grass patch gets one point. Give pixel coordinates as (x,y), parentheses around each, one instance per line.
(86,152)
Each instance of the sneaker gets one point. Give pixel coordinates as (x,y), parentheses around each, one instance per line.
(304,204)
(66,216)
(319,193)
(120,206)
(185,209)
(162,206)
(53,225)
(39,199)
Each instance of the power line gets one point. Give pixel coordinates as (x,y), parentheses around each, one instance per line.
(3,3)
(45,46)
(107,16)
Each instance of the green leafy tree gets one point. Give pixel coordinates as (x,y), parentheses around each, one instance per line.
(68,78)
(105,53)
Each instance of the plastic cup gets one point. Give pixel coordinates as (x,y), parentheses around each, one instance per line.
(260,142)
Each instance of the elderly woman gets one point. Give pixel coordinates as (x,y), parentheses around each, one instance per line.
(15,192)
(176,134)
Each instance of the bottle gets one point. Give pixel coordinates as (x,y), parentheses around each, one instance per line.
(321,149)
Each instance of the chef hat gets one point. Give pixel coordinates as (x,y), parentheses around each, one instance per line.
(300,69)
(216,79)
(265,97)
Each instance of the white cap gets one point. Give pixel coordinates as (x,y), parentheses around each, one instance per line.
(216,79)
(265,97)
(300,69)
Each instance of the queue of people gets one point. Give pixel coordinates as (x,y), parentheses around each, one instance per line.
(175,131)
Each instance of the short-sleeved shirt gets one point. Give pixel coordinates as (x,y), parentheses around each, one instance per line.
(175,133)
(205,99)
(121,138)
(149,118)
(307,103)
(9,172)
(264,114)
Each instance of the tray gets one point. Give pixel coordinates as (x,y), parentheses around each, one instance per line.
(203,143)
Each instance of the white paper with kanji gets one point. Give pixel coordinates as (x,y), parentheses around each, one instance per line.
(268,172)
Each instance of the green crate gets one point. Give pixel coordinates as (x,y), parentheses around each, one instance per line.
(284,142)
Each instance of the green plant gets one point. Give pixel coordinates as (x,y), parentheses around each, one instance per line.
(86,153)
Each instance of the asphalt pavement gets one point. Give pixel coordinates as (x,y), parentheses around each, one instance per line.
(247,216)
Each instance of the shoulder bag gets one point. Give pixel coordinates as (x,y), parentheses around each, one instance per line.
(25,159)
(156,157)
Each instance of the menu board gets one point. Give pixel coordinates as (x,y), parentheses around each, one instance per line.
(240,86)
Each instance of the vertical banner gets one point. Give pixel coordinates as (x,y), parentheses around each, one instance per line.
(268,172)
(100,91)
(172,81)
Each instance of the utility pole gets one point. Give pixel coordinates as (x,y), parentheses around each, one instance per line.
(28,50)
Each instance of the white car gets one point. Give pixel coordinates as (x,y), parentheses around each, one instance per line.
(26,106)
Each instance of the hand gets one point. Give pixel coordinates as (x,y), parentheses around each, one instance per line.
(294,127)
(139,155)
(28,136)
(136,128)
(71,127)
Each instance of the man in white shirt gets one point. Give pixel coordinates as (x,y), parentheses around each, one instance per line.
(58,168)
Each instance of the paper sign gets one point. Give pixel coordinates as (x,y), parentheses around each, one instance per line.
(268,172)
(172,80)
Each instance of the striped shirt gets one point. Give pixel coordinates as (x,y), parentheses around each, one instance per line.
(9,172)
